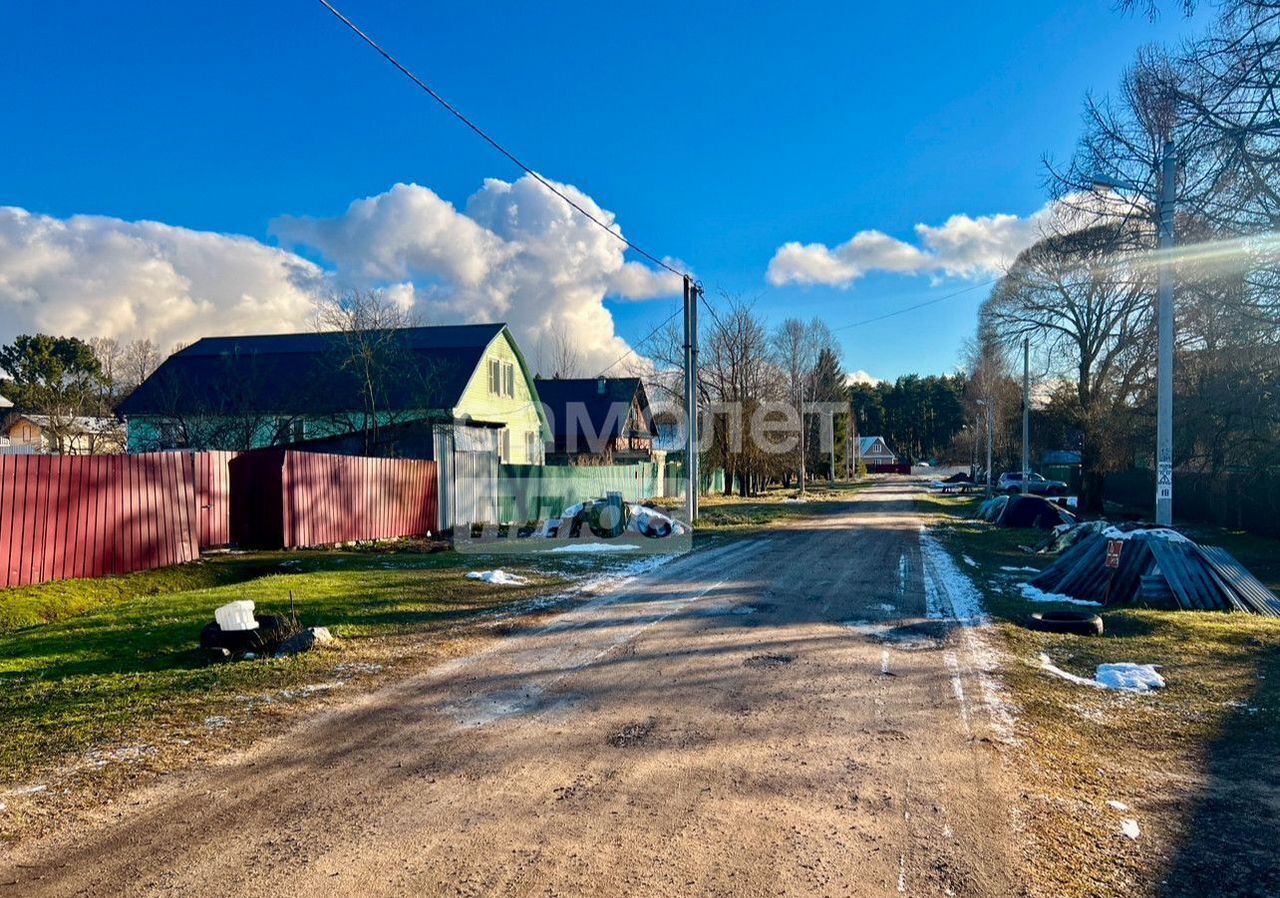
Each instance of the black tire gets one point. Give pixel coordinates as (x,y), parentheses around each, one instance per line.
(214,637)
(211,636)
(1075,623)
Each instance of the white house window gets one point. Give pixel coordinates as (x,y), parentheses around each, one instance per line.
(502,378)
(531,447)
(495,377)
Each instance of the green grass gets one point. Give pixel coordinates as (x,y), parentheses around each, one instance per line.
(128,667)
(720,513)
(47,602)
(1194,760)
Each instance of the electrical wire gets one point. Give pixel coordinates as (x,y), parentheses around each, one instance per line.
(920,305)
(646,338)
(456,113)
(480,132)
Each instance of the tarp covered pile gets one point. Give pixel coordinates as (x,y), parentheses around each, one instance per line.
(1024,511)
(1158,567)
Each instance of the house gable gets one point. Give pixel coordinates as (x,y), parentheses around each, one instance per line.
(501,392)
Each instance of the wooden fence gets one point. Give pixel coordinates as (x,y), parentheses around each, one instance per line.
(286,499)
(86,516)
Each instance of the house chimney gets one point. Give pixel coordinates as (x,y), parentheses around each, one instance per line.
(600,385)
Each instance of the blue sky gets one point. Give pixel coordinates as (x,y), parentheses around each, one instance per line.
(715,133)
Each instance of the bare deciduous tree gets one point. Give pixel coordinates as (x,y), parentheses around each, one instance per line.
(1088,316)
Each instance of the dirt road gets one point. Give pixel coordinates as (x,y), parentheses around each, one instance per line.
(773,717)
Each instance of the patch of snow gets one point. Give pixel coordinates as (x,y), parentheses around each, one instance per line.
(1032,594)
(1129,677)
(1156,533)
(1020,570)
(3,807)
(1117,805)
(1123,677)
(307,691)
(582,548)
(129,754)
(867,628)
(216,722)
(497,577)
(949,593)
(1050,668)
(29,790)
(887,608)
(358,667)
(1130,828)
(969,561)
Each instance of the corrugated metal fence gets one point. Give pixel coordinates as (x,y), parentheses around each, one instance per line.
(537,492)
(86,516)
(63,517)
(286,499)
(213,497)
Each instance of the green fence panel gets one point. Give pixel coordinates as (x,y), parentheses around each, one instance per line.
(539,492)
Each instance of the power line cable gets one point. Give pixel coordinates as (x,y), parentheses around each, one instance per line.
(453,110)
(641,342)
(920,305)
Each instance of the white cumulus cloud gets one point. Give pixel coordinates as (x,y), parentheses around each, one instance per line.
(860,377)
(91,275)
(515,253)
(963,246)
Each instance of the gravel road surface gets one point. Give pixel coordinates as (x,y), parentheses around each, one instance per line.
(775,716)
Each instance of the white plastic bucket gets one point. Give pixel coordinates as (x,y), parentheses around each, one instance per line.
(236,616)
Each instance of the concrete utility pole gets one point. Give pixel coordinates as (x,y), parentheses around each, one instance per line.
(831,431)
(692,473)
(990,416)
(1164,355)
(1026,414)
(1164,204)
(848,460)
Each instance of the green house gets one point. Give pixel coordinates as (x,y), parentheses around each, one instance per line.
(366,392)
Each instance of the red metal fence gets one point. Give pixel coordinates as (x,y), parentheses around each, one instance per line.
(213,497)
(286,499)
(85,516)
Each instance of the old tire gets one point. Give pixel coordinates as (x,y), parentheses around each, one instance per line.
(1075,623)
(214,637)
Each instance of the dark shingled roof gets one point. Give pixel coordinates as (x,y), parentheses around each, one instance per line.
(304,374)
(557,394)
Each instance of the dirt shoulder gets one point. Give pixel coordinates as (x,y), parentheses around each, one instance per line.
(1192,764)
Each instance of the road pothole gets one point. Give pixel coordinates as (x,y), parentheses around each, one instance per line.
(907,637)
(768,659)
(633,734)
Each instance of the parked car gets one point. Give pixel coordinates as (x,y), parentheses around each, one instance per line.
(1011,482)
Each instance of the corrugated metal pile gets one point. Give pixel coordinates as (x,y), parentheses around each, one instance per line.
(1157,567)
